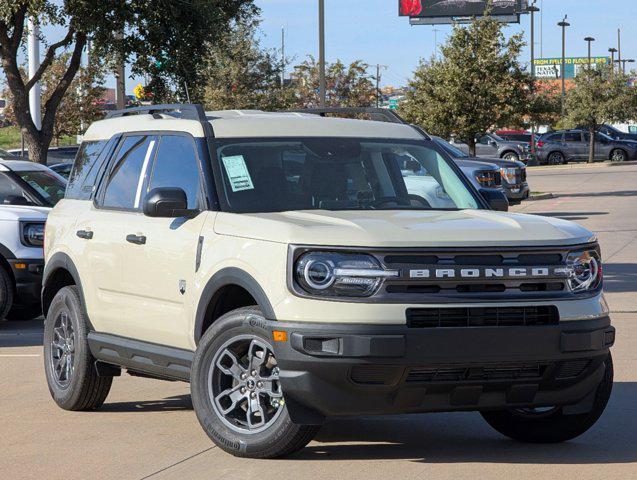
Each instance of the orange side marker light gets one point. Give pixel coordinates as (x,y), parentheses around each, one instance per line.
(280,336)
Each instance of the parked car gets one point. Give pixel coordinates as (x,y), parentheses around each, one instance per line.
(560,147)
(55,155)
(27,193)
(493,146)
(515,135)
(280,263)
(616,134)
(513,173)
(63,169)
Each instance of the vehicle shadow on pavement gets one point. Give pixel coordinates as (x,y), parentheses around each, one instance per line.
(169,404)
(620,277)
(572,216)
(22,334)
(613,193)
(466,437)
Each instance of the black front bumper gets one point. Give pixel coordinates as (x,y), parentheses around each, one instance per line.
(28,281)
(517,192)
(342,370)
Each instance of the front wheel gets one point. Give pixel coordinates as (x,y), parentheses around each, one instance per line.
(236,392)
(552,424)
(618,155)
(511,156)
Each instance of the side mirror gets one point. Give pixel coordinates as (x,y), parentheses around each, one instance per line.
(166,203)
(496,199)
(493,143)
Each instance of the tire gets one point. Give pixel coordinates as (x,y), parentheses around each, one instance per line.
(25,313)
(556,158)
(618,155)
(225,420)
(511,156)
(79,387)
(553,426)
(6,294)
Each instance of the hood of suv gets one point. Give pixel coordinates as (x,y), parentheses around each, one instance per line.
(403,228)
(23,212)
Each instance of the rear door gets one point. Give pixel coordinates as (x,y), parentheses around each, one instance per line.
(576,147)
(159,267)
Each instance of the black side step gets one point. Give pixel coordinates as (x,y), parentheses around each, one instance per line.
(156,360)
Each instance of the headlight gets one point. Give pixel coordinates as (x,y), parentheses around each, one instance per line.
(508,174)
(584,270)
(488,179)
(33,234)
(340,274)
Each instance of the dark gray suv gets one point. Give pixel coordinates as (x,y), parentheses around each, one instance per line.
(494,146)
(557,148)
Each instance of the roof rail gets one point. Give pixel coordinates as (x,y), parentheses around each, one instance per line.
(382,114)
(187,111)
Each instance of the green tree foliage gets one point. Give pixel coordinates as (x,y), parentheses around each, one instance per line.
(476,85)
(346,86)
(240,74)
(599,96)
(166,39)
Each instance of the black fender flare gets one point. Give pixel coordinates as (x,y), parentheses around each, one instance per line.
(60,260)
(230,276)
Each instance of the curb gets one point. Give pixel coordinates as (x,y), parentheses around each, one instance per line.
(540,196)
(582,165)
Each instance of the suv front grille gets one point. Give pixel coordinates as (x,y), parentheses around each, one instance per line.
(477,373)
(482,317)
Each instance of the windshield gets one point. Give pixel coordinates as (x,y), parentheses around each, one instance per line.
(337,174)
(49,185)
(450,149)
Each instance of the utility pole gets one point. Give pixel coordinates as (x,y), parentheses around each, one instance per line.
(619,45)
(564,24)
(377,85)
(35,94)
(322,86)
(435,30)
(282,56)
(589,40)
(612,51)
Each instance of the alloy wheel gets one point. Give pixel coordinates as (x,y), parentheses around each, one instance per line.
(618,156)
(244,386)
(62,356)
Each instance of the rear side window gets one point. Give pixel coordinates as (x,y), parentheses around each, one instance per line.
(124,185)
(554,137)
(85,170)
(573,137)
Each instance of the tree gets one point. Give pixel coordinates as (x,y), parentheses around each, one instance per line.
(346,86)
(476,85)
(599,96)
(242,75)
(175,32)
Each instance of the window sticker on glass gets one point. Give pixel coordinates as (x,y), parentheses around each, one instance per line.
(238,174)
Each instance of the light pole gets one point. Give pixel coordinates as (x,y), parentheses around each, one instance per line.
(589,40)
(624,61)
(532,8)
(35,94)
(612,51)
(564,24)
(322,93)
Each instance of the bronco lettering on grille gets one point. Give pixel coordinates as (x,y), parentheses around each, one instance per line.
(515,272)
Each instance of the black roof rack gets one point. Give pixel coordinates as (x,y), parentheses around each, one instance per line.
(382,114)
(185,111)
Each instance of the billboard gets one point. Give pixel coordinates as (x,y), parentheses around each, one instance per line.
(551,68)
(449,11)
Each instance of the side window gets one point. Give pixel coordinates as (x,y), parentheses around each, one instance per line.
(484,140)
(573,137)
(11,193)
(85,169)
(554,137)
(176,166)
(124,185)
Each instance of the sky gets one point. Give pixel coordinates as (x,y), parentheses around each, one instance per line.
(372,31)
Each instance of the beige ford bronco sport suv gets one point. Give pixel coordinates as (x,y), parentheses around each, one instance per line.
(295,266)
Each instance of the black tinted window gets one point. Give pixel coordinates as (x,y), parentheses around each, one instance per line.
(123,189)
(553,137)
(573,137)
(85,169)
(176,166)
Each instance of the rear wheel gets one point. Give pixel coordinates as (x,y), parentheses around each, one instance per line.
(6,293)
(69,366)
(236,392)
(552,424)
(556,158)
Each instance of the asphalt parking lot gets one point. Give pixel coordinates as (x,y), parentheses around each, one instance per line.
(147,428)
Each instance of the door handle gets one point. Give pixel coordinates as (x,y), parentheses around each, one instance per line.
(136,239)
(85,234)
